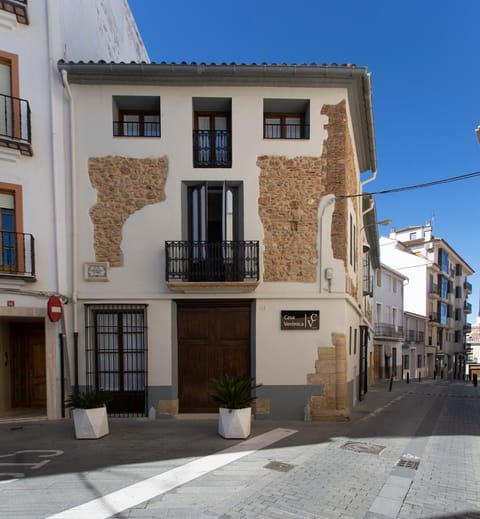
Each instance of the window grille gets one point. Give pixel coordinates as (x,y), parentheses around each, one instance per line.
(116,351)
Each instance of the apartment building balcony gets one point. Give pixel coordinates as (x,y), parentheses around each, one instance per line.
(388,330)
(433,290)
(16,7)
(467,328)
(202,265)
(15,124)
(212,149)
(17,255)
(414,336)
(467,308)
(467,287)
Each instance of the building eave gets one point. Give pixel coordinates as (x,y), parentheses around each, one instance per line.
(356,80)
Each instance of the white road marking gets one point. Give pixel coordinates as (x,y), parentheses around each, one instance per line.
(130,496)
(33,466)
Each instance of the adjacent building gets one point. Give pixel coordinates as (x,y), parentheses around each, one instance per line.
(389,331)
(218,228)
(35,210)
(438,289)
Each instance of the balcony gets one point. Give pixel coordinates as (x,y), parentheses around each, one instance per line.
(286,130)
(467,308)
(388,330)
(212,149)
(144,128)
(200,264)
(15,124)
(16,7)
(467,287)
(17,255)
(433,290)
(467,328)
(414,336)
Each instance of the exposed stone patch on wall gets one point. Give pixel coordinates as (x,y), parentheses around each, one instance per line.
(124,185)
(342,178)
(168,407)
(290,192)
(331,372)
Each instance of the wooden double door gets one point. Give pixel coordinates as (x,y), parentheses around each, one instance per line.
(28,365)
(213,340)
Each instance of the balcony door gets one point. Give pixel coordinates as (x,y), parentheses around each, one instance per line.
(212,140)
(213,226)
(6,114)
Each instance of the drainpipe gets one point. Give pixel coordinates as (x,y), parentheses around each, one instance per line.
(324,203)
(55,176)
(74,247)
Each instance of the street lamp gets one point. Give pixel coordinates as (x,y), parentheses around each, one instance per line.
(384,223)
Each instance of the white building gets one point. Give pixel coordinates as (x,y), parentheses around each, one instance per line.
(389,335)
(438,289)
(209,238)
(34,195)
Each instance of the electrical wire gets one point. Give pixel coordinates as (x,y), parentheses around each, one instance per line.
(415,186)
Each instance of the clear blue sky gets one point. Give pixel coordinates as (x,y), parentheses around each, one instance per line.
(423,56)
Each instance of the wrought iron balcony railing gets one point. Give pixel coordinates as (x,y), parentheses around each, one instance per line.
(17,254)
(136,128)
(212,149)
(388,330)
(467,308)
(16,7)
(414,336)
(15,124)
(285,131)
(467,287)
(212,261)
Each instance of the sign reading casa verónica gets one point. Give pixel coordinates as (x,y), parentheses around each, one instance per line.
(300,320)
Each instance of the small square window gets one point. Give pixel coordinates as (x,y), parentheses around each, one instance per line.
(286,119)
(136,116)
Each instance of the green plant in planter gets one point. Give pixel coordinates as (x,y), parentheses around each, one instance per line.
(232,391)
(88,400)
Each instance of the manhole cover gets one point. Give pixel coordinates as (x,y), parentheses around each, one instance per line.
(280,466)
(409,461)
(369,448)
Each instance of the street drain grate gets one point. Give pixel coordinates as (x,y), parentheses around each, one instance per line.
(409,462)
(279,466)
(369,448)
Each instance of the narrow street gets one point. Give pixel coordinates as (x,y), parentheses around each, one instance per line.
(409,453)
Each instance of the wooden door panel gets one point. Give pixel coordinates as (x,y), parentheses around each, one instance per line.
(38,374)
(28,366)
(377,362)
(194,325)
(193,366)
(213,339)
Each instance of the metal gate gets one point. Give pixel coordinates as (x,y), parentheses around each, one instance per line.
(116,348)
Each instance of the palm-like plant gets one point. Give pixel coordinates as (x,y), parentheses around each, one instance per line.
(232,391)
(88,400)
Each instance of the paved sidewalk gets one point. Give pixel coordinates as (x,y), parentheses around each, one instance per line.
(323,470)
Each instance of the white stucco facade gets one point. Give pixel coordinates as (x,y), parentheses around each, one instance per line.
(284,361)
(438,289)
(34,157)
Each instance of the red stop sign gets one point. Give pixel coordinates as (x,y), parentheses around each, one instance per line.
(54,309)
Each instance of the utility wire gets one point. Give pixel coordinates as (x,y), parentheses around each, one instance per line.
(416,186)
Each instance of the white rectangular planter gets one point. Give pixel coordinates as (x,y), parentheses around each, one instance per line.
(90,423)
(235,423)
